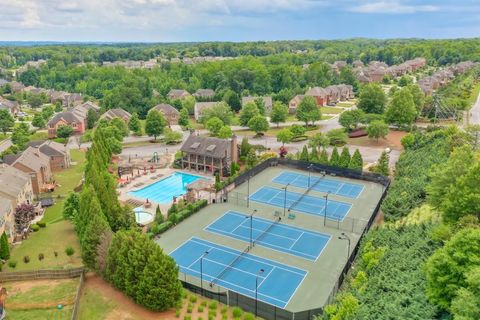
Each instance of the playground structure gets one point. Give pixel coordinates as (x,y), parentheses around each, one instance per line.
(132,166)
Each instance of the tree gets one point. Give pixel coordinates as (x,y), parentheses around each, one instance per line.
(447,268)
(121,127)
(94,231)
(232,99)
(418,96)
(344,158)
(183,118)
(172,137)
(134,124)
(401,110)
(334,158)
(244,147)
(313,156)
(337,137)
(297,130)
(58,106)
(304,154)
(20,135)
(159,218)
(350,119)
(47,112)
(319,140)
(356,162)
(284,136)
(24,213)
(225,132)
(220,110)
(251,158)
(4,247)
(249,110)
(372,99)
(258,124)
(323,157)
(377,129)
(279,113)
(404,81)
(70,206)
(466,304)
(38,121)
(6,121)
(214,125)
(64,131)
(382,166)
(308,111)
(34,100)
(155,123)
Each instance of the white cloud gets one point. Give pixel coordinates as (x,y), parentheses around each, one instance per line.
(392,7)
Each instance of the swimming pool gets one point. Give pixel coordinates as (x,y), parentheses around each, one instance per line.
(142,217)
(164,190)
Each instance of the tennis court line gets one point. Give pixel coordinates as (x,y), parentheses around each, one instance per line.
(296,240)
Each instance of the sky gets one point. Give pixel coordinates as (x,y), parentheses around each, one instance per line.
(235,20)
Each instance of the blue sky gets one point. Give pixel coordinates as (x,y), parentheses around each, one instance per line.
(235,20)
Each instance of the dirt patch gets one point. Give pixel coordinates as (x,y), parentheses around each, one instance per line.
(24,286)
(392,141)
(125,308)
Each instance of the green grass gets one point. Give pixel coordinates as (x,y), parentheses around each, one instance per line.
(331,110)
(69,178)
(194,124)
(345,104)
(41,314)
(57,290)
(39,136)
(55,237)
(473,96)
(93,305)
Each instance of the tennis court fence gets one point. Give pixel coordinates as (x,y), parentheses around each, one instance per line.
(353,225)
(264,310)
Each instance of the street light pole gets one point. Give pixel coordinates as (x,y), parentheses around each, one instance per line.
(248,191)
(251,227)
(325,211)
(201,270)
(256,290)
(345,237)
(285,198)
(309,173)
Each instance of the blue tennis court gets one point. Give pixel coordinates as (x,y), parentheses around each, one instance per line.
(321,184)
(296,241)
(336,210)
(276,284)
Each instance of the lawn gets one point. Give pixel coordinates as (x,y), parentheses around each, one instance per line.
(39,135)
(345,104)
(39,299)
(331,110)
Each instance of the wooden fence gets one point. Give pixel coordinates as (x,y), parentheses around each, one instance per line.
(41,274)
(76,304)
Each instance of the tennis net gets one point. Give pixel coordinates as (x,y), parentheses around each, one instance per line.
(229,266)
(275,222)
(313,185)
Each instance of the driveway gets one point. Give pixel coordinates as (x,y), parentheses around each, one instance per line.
(474,117)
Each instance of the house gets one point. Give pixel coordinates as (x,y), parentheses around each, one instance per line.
(206,154)
(67,118)
(116,113)
(81,110)
(58,153)
(16,86)
(346,92)
(34,163)
(58,96)
(357,64)
(175,94)
(333,93)
(170,113)
(72,99)
(204,94)
(267,101)
(7,220)
(10,106)
(294,103)
(319,94)
(199,107)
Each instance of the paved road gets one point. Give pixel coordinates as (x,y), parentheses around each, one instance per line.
(475,112)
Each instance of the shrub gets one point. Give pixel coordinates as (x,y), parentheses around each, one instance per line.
(69,251)
(41,256)
(224,310)
(187,318)
(42,224)
(204,303)
(224,317)
(237,312)
(177,313)
(12,264)
(212,305)
(212,313)
(211,317)
(55,253)
(193,299)
(248,316)
(26,259)
(34,227)
(184,294)
(200,309)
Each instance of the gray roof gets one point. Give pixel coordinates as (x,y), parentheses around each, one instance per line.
(177,93)
(115,113)
(12,180)
(316,92)
(68,116)
(207,146)
(165,108)
(8,104)
(5,206)
(266,100)
(49,148)
(30,158)
(204,93)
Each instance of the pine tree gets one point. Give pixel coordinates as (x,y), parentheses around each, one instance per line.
(183,118)
(356,162)
(382,166)
(323,158)
(84,214)
(158,215)
(304,154)
(244,147)
(94,231)
(313,157)
(4,247)
(344,158)
(335,158)
(134,124)
(70,206)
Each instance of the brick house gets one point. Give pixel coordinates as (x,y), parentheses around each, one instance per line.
(175,94)
(319,94)
(58,153)
(199,107)
(67,118)
(35,164)
(116,113)
(11,106)
(170,113)
(267,101)
(207,154)
(294,103)
(204,94)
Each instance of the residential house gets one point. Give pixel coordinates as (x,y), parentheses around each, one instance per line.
(357,64)
(11,106)
(66,118)
(294,103)
(199,107)
(116,113)
(16,190)
(207,154)
(170,113)
(204,94)
(175,94)
(72,99)
(34,163)
(58,153)
(16,86)
(81,110)
(2,81)
(319,94)
(346,92)
(267,101)
(333,93)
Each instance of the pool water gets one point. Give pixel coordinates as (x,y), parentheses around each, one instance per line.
(142,217)
(164,190)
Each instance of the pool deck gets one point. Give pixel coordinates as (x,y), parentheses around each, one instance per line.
(149,178)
